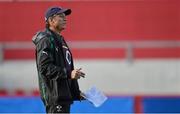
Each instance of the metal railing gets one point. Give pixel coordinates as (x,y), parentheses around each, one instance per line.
(128,45)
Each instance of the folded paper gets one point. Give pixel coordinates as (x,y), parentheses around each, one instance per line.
(95,96)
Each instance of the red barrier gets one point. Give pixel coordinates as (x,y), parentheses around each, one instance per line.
(138,104)
(18,54)
(156,53)
(19,92)
(138,53)
(3,92)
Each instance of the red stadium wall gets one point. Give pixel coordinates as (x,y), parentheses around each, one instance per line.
(98,20)
(141,20)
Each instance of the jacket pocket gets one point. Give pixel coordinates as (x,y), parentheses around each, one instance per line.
(61,89)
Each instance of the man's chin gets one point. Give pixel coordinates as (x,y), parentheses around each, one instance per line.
(60,29)
(63,27)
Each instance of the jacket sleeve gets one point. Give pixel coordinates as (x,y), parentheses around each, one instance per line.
(45,61)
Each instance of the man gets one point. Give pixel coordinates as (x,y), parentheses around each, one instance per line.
(57,76)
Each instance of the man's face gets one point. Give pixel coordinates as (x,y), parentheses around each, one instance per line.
(58,21)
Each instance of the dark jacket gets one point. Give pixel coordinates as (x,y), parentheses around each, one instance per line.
(55,85)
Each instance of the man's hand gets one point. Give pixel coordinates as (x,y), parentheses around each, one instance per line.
(77,74)
(82,96)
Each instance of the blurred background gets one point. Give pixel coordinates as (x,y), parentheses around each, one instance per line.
(129,49)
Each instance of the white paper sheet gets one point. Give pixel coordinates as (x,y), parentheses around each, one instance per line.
(95,96)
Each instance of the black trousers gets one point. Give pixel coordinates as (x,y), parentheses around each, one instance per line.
(61,108)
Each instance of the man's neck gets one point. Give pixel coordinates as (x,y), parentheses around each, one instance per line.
(55,30)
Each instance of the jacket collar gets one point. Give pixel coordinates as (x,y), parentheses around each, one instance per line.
(50,32)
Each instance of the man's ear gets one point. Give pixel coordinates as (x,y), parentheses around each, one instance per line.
(50,20)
